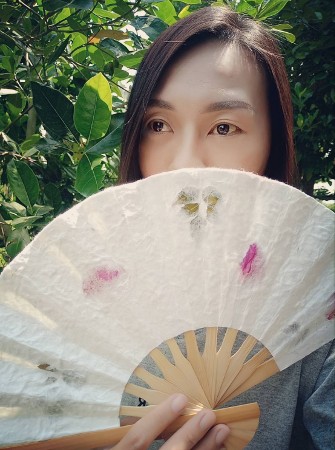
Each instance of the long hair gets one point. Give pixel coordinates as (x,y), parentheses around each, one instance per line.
(228,27)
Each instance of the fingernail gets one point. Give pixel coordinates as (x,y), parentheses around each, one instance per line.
(221,435)
(179,403)
(207,421)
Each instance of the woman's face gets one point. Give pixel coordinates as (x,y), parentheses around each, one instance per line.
(210,110)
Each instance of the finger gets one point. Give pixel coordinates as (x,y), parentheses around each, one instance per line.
(214,439)
(145,431)
(192,432)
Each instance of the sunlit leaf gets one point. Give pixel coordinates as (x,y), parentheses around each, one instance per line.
(288,36)
(132,60)
(23,182)
(184,12)
(93,108)
(4,91)
(271,8)
(113,34)
(90,175)
(166,12)
(105,13)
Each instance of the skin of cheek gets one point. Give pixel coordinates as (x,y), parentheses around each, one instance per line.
(157,156)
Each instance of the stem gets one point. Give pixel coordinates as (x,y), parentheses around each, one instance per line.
(31,123)
(28,7)
(77,64)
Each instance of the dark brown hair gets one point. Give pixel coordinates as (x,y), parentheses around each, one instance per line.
(228,27)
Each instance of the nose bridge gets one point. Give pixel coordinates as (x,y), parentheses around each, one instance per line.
(188,153)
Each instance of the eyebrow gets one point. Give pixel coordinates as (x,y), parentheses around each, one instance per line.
(213,107)
(229,104)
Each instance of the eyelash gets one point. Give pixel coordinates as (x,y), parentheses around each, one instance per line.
(236,129)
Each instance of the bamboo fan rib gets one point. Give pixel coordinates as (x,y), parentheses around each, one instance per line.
(242,419)
(136,265)
(208,379)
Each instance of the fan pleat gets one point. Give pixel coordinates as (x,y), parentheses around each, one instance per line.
(70,340)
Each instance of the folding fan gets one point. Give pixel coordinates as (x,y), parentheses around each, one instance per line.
(231,252)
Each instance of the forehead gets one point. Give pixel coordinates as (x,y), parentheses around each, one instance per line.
(211,69)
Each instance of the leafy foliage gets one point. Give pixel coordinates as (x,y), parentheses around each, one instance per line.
(66,67)
(310,66)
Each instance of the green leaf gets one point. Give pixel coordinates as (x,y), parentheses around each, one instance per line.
(115,47)
(17,240)
(21,222)
(152,26)
(55,111)
(271,8)
(120,75)
(246,8)
(282,26)
(93,108)
(53,195)
(90,175)
(98,57)
(132,60)
(15,104)
(82,4)
(104,13)
(300,120)
(184,12)
(54,5)
(15,248)
(166,12)
(107,144)
(15,209)
(288,36)
(30,142)
(23,182)
(59,51)
(41,210)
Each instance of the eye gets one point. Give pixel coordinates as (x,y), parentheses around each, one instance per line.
(224,129)
(158,126)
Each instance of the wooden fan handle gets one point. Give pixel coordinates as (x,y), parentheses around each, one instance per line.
(105,438)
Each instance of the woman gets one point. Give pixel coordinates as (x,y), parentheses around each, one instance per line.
(212,91)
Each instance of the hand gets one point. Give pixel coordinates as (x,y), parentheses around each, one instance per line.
(199,433)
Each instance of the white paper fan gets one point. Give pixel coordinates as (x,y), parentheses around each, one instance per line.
(173,253)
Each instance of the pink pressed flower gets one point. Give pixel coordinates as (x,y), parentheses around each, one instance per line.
(98,279)
(248,263)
